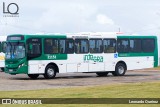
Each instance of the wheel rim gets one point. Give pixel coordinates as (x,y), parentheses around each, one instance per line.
(50,72)
(121,69)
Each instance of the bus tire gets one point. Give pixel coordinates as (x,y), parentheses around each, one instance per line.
(33,76)
(120,70)
(50,72)
(2,69)
(102,74)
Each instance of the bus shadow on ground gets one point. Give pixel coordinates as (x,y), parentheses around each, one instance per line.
(81,77)
(56,78)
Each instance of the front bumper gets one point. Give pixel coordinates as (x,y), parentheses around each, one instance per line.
(17,70)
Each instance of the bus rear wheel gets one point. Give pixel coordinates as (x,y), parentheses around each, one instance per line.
(120,70)
(50,72)
(33,76)
(102,74)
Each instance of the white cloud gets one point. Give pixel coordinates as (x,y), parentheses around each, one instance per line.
(70,18)
(103,19)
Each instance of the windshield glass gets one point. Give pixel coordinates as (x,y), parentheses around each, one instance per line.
(15,50)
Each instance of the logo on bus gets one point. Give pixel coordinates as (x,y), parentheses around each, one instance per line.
(94,58)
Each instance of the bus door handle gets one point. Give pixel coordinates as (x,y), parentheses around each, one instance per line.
(93,63)
(60,64)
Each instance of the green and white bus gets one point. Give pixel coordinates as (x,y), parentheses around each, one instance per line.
(2,52)
(99,53)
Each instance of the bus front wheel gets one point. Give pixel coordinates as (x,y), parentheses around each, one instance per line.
(120,70)
(2,69)
(50,72)
(33,76)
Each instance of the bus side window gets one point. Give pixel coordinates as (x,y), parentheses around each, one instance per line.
(69,46)
(81,46)
(50,46)
(95,46)
(34,47)
(99,48)
(77,46)
(148,45)
(109,45)
(135,45)
(54,45)
(92,45)
(62,46)
(123,45)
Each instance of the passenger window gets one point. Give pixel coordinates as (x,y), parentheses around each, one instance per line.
(51,46)
(95,46)
(81,46)
(148,45)
(69,46)
(34,47)
(123,45)
(62,46)
(135,45)
(109,45)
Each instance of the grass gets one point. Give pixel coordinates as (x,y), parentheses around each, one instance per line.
(131,90)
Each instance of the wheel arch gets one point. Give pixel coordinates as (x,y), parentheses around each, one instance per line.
(55,65)
(122,63)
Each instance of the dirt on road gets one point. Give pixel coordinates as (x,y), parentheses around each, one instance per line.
(23,82)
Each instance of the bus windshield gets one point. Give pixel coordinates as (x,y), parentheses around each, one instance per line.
(15,50)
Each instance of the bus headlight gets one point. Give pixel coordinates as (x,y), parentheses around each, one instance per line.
(21,65)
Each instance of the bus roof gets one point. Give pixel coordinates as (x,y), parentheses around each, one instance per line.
(83,35)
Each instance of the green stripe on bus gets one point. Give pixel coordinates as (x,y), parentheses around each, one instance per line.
(52,57)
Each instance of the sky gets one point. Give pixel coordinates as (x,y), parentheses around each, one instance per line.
(72,16)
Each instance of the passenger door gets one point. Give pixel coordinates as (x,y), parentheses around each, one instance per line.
(34,50)
(95,58)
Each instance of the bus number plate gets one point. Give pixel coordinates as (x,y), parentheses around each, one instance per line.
(10,70)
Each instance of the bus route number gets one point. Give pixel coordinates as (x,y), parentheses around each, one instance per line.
(51,57)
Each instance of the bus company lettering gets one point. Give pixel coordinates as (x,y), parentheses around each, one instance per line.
(90,57)
(51,57)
